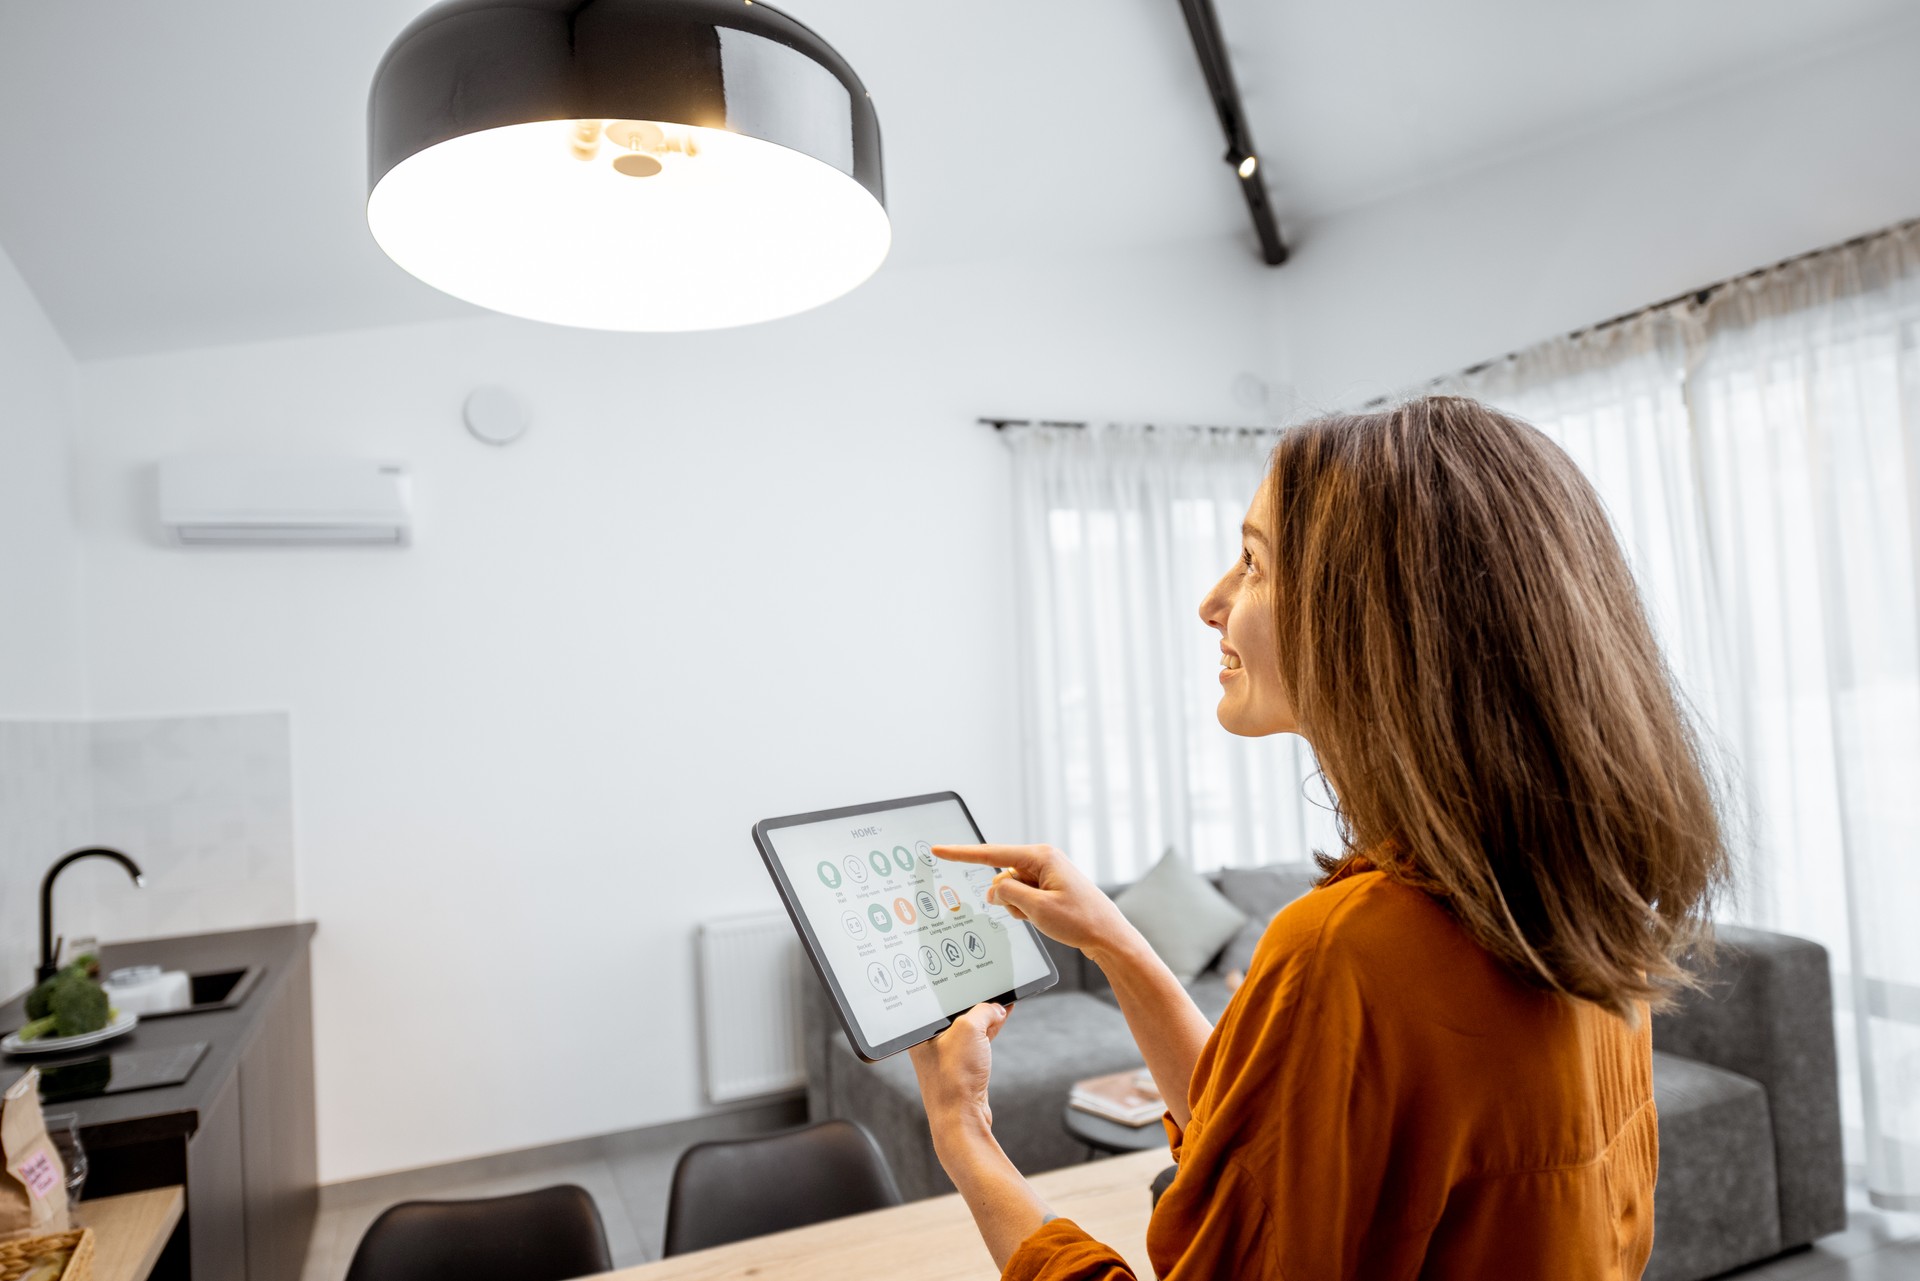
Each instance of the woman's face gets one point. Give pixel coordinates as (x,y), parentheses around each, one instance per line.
(1240,606)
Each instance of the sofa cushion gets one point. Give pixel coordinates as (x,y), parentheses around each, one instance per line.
(1209,992)
(1260,892)
(1766,1012)
(1716,1204)
(1183,918)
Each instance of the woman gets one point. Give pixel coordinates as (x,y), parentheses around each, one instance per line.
(1439,1064)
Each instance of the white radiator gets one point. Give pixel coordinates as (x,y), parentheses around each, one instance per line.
(751,969)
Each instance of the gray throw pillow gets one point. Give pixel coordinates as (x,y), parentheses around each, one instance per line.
(1183,918)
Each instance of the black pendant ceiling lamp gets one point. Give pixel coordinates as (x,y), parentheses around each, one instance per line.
(625,164)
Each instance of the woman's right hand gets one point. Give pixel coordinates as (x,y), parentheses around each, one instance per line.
(1040,885)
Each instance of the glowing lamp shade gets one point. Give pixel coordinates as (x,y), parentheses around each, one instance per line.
(625,164)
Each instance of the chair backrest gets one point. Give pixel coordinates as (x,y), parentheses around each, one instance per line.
(550,1235)
(731,1189)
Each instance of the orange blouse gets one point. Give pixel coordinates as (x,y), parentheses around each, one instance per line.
(1384,1099)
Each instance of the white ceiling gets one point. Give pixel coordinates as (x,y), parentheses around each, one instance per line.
(189,173)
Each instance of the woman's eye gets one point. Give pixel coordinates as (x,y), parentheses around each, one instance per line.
(1246,558)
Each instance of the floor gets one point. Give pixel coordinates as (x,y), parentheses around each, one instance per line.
(629,1176)
(1878,1245)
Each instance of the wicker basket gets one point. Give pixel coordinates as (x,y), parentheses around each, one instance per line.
(14,1254)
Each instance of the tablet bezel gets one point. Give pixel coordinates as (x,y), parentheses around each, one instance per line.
(788,897)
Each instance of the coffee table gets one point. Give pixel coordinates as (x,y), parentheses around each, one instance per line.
(1110,1137)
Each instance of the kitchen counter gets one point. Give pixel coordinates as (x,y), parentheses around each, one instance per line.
(238,1133)
(174,1111)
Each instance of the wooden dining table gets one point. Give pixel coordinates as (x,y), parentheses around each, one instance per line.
(931,1240)
(130,1230)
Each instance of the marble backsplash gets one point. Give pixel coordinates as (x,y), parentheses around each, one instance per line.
(46,808)
(203,803)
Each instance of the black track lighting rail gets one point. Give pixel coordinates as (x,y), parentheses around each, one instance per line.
(1212,49)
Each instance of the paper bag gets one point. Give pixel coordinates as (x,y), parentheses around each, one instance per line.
(33,1185)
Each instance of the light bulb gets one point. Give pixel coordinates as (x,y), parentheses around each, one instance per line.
(669,227)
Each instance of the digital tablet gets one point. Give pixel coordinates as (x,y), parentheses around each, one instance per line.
(904,941)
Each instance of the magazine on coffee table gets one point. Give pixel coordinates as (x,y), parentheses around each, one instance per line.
(1131,1098)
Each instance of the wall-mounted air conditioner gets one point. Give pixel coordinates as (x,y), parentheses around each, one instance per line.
(238,500)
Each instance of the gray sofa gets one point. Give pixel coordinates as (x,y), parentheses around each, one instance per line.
(1744,1079)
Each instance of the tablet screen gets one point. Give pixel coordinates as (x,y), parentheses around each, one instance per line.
(909,937)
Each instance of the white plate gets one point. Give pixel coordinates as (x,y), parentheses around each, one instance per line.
(122,1022)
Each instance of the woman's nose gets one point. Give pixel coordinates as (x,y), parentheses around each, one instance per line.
(1210,611)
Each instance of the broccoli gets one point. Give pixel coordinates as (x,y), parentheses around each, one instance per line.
(79,1006)
(68,1004)
(40,1000)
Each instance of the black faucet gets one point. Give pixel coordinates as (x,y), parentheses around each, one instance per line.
(49,947)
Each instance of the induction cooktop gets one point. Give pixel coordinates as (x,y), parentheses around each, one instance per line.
(118,1073)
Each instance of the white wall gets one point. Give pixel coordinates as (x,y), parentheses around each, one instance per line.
(42,753)
(725,576)
(40,669)
(1385,296)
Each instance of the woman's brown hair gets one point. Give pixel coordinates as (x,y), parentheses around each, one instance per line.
(1465,648)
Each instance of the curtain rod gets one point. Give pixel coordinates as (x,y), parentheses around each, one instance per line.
(1000,424)
(1697,297)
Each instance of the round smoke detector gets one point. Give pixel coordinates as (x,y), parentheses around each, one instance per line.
(495,416)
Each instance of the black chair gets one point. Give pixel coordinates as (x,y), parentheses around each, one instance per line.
(1162,1181)
(553,1234)
(731,1189)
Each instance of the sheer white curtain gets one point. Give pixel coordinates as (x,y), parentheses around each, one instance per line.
(1120,530)
(1760,456)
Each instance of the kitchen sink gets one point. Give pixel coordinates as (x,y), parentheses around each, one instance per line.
(214,990)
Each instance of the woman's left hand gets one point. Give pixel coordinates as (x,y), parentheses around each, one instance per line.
(953,1067)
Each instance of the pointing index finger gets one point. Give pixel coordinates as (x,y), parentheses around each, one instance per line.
(1021,858)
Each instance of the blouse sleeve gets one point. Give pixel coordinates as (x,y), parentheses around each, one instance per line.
(1058,1250)
(1230,1241)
